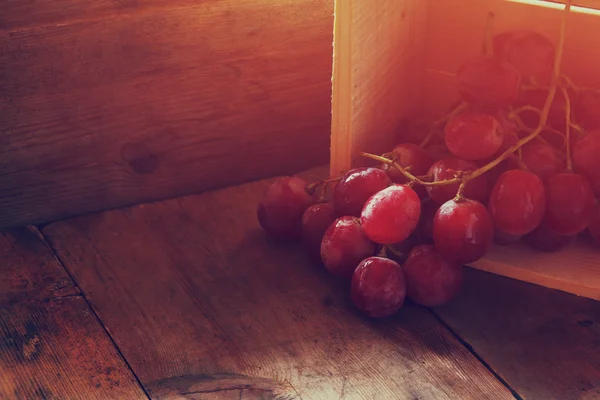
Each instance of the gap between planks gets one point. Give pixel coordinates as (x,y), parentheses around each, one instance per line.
(442,325)
(92,309)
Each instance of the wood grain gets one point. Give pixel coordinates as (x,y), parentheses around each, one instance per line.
(545,343)
(575,269)
(17,14)
(376,75)
(223,309)
(28,270)
(51,344)
(102,113)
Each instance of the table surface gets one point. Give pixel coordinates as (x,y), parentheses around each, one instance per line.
(187,299)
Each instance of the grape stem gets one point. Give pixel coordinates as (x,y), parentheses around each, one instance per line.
(525,108)
(454,112)
(392,250)
(547,104)
(556,76)
(312,187)
(567,128)
(441,121)
(407,174)
(460,194)
(488,45)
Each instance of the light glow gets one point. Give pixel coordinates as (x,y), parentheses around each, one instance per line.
(587,6)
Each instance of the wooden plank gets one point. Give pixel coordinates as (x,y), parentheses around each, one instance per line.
(51,344)
(545,343)
(104,113)
(377,55)
(16,14)
(222,308)
(28,270)
(573,269)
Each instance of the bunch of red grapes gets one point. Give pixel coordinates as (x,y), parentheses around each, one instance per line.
(494,169)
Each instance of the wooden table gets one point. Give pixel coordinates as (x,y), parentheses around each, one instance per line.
(187,299)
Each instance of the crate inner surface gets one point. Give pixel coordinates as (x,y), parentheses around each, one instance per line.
(401,63)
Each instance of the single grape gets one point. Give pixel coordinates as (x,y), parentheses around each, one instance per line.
(541,159)
(594,227)
(344,246)
(473,135)
(587,109)
(378,287)
(462,231)
(505,239)
(430,279)
(476,189)
(281,208)
(586,159)
(544,239)
(531,53)
(355,188)
(315,221)
(570,203)
(488,81)
(391,215)
(517,202)
(411,157)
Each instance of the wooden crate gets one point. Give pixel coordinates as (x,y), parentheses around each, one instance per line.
(399,58)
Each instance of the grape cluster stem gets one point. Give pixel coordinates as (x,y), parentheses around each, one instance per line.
(468,175)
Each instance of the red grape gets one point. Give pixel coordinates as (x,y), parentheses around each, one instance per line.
(473,135)
(476,189)
(594,227)
(517,202)
(344,245)
(355,188)
(280,210)
(531,53)
(586,159)
(505,239)
(570,203)
(411,157)
(378,287)
(431,280)
(543,239)
(462,231)
(587,109)
(315,221)
(391,215)
(487,81)
(541,159)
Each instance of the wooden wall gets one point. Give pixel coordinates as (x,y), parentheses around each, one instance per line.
(105,103)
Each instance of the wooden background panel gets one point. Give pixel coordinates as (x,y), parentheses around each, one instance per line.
(545,343)
(18,14)
(52,346)
(136,107)
(451,41)
(199,301)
